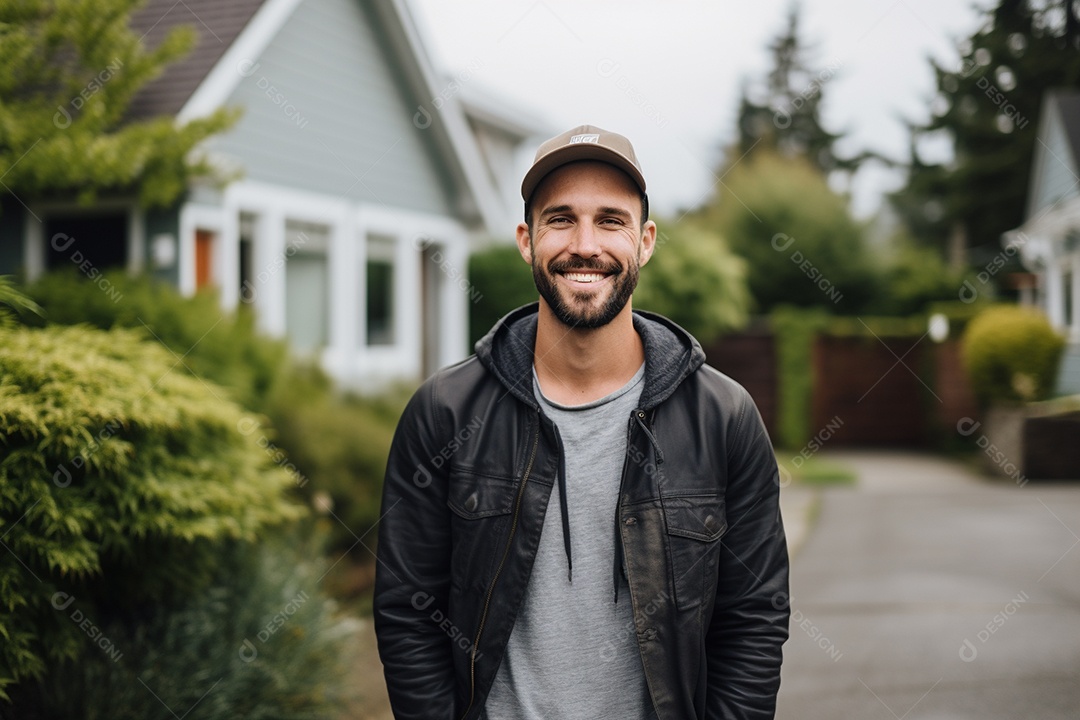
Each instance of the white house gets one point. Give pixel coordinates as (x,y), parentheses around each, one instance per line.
(1049,239)
(365,178)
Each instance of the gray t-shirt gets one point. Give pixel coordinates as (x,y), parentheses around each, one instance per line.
(573,651)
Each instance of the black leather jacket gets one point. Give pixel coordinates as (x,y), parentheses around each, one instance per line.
(470,472)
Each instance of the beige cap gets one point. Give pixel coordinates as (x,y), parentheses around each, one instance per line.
(585,142)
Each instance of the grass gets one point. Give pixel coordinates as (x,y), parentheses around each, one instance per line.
(814,472)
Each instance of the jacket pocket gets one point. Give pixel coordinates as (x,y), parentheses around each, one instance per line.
(694,528)
(480,507)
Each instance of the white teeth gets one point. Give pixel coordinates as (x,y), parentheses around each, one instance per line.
(585,277)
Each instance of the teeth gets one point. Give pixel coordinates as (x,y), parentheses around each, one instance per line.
(585,277)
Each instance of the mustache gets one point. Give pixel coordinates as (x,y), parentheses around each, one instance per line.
(561,266)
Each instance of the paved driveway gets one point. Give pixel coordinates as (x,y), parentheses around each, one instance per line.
(926,593)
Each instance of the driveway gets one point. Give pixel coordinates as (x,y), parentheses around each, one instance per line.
(926,592)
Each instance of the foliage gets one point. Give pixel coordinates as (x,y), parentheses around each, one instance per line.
(117,476)
(915,277)
(1011,354)
(795,330)
(504,281)
(801,245)
(988,108)
(204,340)
(68,72)
(14,303)
(696,281)
(784,116)
(260,643)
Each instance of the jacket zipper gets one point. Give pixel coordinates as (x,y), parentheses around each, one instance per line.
(498,570)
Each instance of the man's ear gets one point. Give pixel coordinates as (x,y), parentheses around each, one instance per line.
(648,241)
(524,243)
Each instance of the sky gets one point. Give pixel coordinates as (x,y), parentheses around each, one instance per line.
(668,74)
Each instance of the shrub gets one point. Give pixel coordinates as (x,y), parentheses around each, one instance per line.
(118,478)
(1011,354)
(695,280)
(260,643)
(504,282)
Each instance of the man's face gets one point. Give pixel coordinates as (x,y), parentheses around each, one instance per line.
(587,243)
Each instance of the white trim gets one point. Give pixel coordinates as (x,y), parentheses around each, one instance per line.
(239,60)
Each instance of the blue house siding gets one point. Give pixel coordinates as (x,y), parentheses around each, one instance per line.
(1068,382)
(325,112)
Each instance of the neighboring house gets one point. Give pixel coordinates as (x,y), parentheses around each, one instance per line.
(1049,239)
(362,182)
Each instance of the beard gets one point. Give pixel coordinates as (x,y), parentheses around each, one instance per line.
(576,309)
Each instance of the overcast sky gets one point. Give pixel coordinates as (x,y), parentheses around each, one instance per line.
(667,74)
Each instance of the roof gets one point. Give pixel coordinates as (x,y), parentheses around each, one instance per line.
(1068,106)
(217,24)
(232,32)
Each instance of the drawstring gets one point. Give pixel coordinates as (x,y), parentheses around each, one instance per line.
(564,507)
(639,416)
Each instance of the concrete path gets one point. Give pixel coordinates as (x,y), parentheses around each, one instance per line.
(928,593)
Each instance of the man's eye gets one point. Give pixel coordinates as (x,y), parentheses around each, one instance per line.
(558,220)
(611,221)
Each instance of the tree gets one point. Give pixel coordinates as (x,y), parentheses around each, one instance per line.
(68,72)
(785,116)
(988,108)
(800,242)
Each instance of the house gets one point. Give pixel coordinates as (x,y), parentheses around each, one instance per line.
(362,180)
(1049,239)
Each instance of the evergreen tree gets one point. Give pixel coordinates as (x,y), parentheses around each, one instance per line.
(989,110)
(68,72)
(785,115)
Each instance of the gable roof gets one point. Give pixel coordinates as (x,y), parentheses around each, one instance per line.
(1067,103)
(234,32)
(1056,156)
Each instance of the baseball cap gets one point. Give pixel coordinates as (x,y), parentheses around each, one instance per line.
(585,142)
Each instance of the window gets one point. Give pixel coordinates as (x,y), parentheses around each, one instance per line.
(307,273)
(379,302)
(97,241)
(247,278)
(1068,317)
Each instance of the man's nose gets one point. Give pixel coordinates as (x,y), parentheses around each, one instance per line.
(585,241)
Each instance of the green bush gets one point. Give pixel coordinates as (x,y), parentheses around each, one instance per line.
(503,280)
(222,347)
(119,475)
(795,330)
(260,643)
(1011,354)
(694,279)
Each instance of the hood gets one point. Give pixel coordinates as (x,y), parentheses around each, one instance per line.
(671,353)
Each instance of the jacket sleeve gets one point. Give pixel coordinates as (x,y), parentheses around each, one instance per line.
(750,616)
(412,576)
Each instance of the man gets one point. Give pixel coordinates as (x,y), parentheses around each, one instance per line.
(581,520)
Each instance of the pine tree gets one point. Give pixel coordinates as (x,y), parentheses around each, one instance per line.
(785,115)
(989,109)
(68,72)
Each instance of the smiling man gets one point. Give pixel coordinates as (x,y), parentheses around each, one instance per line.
(581,520)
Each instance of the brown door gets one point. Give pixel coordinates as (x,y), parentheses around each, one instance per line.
(204,258)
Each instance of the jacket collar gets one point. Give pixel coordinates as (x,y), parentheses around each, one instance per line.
(671,353)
